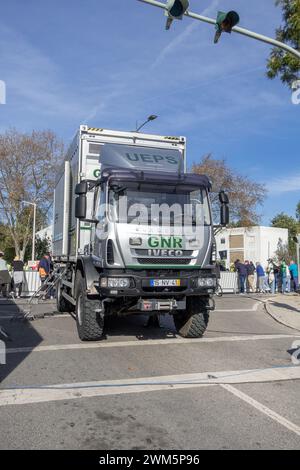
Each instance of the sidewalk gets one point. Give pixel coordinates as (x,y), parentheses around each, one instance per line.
(285,309)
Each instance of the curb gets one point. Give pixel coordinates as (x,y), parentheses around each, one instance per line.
(277,317)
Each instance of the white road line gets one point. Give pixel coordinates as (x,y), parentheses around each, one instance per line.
(263,409)
(237,310)
(47,316)
(46,393)
(146,342)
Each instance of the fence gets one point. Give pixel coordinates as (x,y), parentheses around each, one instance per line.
(31,282)
(229,282)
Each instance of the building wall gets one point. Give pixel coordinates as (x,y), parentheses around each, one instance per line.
(249,243)
(45,232)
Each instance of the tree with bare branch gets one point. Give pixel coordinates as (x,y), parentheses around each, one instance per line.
(28,163)
(244,194)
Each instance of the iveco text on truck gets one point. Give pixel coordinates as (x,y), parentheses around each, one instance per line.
(133,232)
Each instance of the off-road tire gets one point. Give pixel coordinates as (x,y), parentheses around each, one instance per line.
(192,322)
(62,305)
(90,324)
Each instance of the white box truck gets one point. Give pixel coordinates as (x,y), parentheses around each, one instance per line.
(133,232)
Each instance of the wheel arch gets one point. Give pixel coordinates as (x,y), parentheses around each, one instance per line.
(89,273)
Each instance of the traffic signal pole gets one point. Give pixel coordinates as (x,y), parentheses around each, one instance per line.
(236,29)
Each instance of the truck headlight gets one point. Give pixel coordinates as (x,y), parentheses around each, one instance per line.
(119,282)
(135,241)
(206,282)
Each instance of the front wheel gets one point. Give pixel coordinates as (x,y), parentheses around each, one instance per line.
(90,321)
(192,322)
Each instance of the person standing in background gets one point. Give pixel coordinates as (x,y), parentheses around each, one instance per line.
(294,275)
(44,271)
(242,271)
(271,278)
(250,275)
(285,277)
(18,268)
(260,277)
(5,278)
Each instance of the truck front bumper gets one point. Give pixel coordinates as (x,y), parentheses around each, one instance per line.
(141,284)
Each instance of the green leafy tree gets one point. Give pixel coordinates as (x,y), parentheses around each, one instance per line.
(282,253)
(298,212)
(283,220)
(281,63)
(42,246)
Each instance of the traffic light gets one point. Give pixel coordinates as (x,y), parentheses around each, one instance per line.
(175,9)
(225,23)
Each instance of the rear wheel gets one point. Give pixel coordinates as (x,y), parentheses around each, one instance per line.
(192,322)
(90,322)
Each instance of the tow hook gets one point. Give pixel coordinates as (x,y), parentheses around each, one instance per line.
(211,304)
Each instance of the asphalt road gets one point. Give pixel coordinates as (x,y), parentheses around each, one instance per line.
(146,388)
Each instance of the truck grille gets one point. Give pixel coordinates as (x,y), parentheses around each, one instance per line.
(164,260)
(143,252)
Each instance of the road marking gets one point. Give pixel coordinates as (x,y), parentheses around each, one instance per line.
(21,316)
(45,393)
(146,342)
(263,409)
(237,310)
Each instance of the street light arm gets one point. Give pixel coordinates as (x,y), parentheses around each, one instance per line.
(236,29)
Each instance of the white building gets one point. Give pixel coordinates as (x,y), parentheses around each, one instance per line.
(45,233)
(249,243)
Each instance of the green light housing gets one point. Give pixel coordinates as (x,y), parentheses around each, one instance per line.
(225,22)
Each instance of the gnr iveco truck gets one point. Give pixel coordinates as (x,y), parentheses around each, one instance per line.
(133,232)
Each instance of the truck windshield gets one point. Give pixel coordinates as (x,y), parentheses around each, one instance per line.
(174,206)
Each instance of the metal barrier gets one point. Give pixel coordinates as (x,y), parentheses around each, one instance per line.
(229,282)
(31,282)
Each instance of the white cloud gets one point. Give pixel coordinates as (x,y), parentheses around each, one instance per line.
(284,184)
(182,37)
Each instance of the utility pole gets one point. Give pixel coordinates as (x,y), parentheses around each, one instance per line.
(33,228)
(235,29)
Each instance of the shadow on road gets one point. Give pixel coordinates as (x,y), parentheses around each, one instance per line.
(135,325)
(285,306)
(21,334)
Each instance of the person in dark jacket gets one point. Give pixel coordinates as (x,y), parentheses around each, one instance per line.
(44,270)
(242,272)
(18,268)
(250,276)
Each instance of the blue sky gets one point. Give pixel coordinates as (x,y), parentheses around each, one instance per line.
(111,63)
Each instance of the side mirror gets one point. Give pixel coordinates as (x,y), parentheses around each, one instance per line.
(81,188)
(223,197)
(80,206)
(224,214)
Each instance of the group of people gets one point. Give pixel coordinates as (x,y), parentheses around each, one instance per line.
(12,277)
(282,277)
(10,283)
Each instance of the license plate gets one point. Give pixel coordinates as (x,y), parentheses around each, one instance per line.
(164,282)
